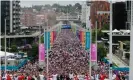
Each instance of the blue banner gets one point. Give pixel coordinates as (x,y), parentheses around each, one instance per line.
(87,41)
(47,40)
(66,26)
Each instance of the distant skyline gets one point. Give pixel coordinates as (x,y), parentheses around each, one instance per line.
(30,3)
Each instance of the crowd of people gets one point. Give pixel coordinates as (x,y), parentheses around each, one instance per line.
(67,55)
(102,72)
(67,61)
(30,71)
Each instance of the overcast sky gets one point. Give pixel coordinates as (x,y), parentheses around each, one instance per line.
(29,3)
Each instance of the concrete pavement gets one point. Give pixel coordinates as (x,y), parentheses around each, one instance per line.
(117,61)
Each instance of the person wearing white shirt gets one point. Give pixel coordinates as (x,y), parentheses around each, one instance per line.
(55,77)
(92,78)
(114,76)
(96,76)
(71,76)
(41,77)
(81,77)
(35,77)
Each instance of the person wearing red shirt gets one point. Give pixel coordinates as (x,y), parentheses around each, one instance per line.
(29,77)
(21,77)
(8,77)
(102,76)
(87,77)
(75,78)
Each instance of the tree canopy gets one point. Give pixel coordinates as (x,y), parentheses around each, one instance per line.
(14,48)
(34,51)
(101,51)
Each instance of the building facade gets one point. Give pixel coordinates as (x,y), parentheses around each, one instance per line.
(83,15)
(100,18)
(128,10)
(119,15)
(10,12)
(28,18)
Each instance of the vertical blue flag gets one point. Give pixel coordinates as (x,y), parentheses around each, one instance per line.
(87,41)
(47,40)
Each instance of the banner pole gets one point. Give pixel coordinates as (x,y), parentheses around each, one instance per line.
(96,42)
(47,52)
(5,49)
(90,52)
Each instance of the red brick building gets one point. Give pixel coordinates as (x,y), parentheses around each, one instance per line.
(28,18)
(101,18)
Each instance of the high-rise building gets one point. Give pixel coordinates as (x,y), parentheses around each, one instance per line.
(10,10)
(128,10)
(119,15)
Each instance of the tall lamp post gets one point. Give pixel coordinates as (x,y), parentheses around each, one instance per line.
(88,3)
(110,42)
(5,46)
(47,52)
(96,39)
(131,45)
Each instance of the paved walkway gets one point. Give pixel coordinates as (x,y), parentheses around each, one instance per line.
(117,61)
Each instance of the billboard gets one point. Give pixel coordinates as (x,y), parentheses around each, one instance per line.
(66,26)
(41,52)
(47,40)
(93,52)
(87,41)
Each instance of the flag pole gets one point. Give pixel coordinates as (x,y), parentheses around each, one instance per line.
(90,49)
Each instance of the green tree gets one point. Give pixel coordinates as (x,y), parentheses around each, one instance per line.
(42,39)
(34,51)
(55,5)
(105,27)
(14,48)
(83,25)
(101,51)
(93,36)
(78,6)
(48,6)
(127,47)
(37,7)
(99,35)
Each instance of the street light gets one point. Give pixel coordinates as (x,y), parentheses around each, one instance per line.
(88,3)
(131,45)
(5,47)
(110,39)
